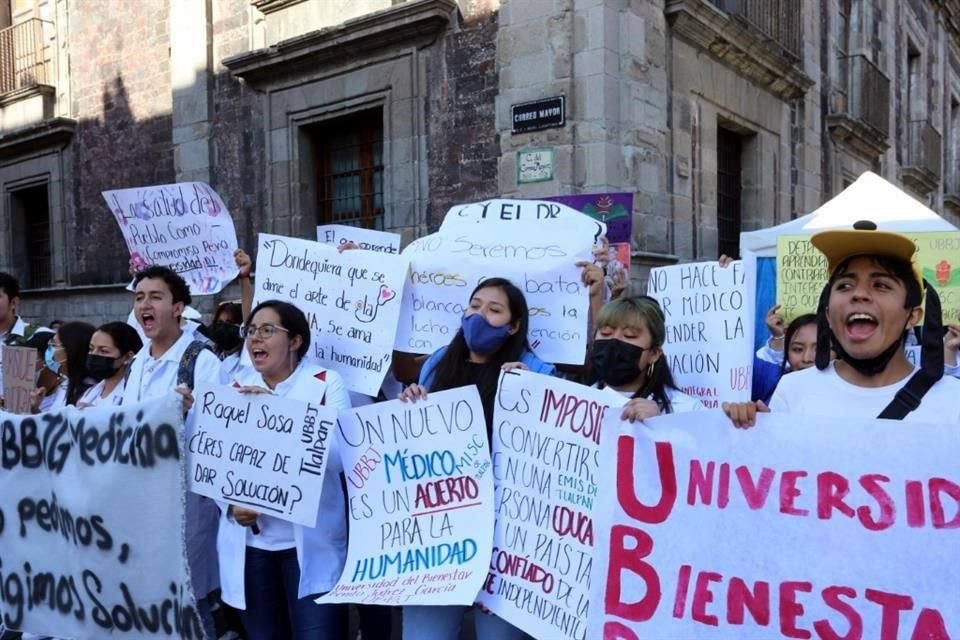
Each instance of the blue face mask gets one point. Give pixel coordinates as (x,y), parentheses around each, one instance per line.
(48,359)
(481,336)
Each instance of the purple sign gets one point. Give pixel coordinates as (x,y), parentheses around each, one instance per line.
(615,209)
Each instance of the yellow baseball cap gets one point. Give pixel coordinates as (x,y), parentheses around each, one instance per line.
(839,245)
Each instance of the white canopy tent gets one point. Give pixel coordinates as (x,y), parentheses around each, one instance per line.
(869,198)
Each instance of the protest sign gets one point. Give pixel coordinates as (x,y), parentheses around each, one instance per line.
(802,271)
(709,343)
(613,209)
(546,466)
(533,244)
(183,226)
(91,523)
(19,370)
(259,451)
(791,529)
(351,300)
(420,494)
(366,239)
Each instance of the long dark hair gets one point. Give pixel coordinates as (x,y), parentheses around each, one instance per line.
(292,319)
(452,370)
(798,323)
(75,338)
(638,312)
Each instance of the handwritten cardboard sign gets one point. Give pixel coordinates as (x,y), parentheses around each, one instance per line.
(91,524)
(183,226)
(533,244)
(546,465)
(366,239)
(709,324)
(420,493)
(259,451)
(792,529)
(351,300)
(802,272)
(19,368)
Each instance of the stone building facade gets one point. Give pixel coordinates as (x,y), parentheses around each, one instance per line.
(717,115)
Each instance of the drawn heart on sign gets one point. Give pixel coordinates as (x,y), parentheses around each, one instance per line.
(386,295)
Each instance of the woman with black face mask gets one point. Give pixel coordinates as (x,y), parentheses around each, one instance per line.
(227,340)
(628,359)
(112,348)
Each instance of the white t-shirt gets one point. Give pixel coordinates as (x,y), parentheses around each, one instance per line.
(680,402)
(94,396)
(824,393)
(230,368)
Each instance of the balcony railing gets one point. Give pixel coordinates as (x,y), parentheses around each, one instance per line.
(868,93)
(779,21)
(924,148)
(23,60)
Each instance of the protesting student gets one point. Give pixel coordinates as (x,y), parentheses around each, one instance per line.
(628,358)
(872,300)
(112,349)
(272,569)
(492,336)
(13,330)
(798,343)
(66,357)
(172,359)
(227,343)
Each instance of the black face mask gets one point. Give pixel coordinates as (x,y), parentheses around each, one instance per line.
(869,366)
(227,337)
(616,362)
(101,367)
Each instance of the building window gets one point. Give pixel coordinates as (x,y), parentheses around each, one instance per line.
(952,185)
(729,191)
(348,157)
(30,215)
(843,47)
(915,86)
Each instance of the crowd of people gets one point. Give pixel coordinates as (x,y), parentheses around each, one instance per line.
(847,359)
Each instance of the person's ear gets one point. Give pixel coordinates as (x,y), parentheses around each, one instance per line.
(295,343)
(178,309)
(514,327)
(915,317)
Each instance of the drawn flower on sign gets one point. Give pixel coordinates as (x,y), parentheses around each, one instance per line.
(604,203)
(944,269)
(138,261)
(142,210)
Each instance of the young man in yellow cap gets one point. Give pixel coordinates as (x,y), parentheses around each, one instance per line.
(873,298)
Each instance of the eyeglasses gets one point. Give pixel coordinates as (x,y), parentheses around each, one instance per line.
(266,331)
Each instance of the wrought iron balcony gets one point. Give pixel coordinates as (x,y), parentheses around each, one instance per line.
(23,56)
(922,165)
(779,22)
(861,107)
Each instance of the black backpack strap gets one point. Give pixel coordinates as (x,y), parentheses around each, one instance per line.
(188,363)
(908,397)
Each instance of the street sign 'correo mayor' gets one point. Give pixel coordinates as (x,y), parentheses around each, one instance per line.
(539,114)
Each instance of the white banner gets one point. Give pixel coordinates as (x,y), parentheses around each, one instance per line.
(259,451)
(800,527)
(534,244)
(183,226)
(709,320)
(366,239)
(546,465)
(351,299)
(91,523)
(420,494)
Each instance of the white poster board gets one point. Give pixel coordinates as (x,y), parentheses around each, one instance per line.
(365,239)
(91,523)
(546,466)
(420,501)
(259,451)
(351,300)
(709,322)
(534,244)
(792,529)
(183,226)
